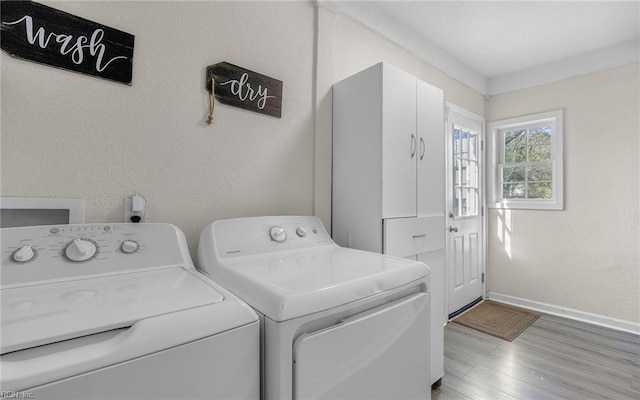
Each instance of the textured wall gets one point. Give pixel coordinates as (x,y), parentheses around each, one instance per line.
(69,135)
(586,257)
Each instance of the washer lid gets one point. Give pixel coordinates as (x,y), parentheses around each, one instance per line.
(43,314)
(295,283)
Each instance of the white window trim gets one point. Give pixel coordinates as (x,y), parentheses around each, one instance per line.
(493,156)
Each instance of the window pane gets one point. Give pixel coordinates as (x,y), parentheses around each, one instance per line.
(540,135)
(539,153)
(456,201)
(465,144)
(465,173)
(473,146)
(539,190)
(472,208)
(515,146)
(464,206)
(514,174)
(513,191)
(473,174)
(456,142)
(540,172)
(515,138)
(456,173)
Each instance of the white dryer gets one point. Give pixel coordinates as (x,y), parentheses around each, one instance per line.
(336,323)
(115,311)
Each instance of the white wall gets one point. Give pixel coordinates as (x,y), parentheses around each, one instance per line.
(65,134)
(587,257)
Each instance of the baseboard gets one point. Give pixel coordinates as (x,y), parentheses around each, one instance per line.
(617,324)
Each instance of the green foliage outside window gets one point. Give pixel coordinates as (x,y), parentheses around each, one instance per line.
(527,169)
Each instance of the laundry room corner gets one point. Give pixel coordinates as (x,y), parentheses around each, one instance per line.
(66,134)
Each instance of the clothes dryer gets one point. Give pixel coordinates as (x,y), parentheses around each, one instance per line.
(115,311)
(337,323)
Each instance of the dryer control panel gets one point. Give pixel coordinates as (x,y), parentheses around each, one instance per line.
(259,235)
(60,252)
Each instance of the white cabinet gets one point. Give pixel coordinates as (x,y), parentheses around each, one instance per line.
(389,176)
(399,143)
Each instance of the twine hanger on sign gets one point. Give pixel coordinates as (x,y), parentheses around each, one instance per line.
(211,101)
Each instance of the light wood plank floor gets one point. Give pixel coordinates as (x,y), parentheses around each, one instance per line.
(555,358)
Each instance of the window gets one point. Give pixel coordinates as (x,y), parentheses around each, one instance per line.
(526,160)
(466,172)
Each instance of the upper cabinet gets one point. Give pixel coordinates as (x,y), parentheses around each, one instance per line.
(388,151)
(400,141)
(431,160)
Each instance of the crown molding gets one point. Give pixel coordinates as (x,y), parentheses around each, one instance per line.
(422,48)
(581,64)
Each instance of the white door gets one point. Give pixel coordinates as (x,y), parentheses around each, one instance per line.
(382,354)
(431,150)
(399,144)
(465,244)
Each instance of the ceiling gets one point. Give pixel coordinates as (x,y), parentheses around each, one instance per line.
(493,40)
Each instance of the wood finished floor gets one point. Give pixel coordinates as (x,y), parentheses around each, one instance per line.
(555,358)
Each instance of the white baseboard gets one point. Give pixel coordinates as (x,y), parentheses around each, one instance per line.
(613,323)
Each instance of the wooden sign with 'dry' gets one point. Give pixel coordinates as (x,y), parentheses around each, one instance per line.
(246,89)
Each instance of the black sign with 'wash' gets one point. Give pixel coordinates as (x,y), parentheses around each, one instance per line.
(35,32)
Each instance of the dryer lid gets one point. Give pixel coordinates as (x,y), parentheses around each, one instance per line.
(291,284)
(47,313)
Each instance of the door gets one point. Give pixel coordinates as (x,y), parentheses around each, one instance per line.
(399,143)
(465,244)
(382,353)
(431,150)
(422,239)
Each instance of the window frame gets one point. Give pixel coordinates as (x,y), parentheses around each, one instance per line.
(496,150)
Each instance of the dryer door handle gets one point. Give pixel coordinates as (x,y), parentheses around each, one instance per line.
(26,369)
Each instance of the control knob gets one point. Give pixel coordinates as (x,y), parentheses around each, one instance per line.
(80,250)
(278,234)
(24,254)
(129,246)
(300,231)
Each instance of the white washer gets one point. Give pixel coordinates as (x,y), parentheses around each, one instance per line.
(336,323)
(116,311)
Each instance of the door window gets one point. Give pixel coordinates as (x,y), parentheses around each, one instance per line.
(465,172)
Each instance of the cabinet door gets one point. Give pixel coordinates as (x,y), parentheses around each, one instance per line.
(431,150)
(379,354)
(435,261)
(399,144)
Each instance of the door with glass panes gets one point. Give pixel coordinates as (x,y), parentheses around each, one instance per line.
(465,263)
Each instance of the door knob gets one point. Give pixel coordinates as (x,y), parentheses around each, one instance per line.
(453,229)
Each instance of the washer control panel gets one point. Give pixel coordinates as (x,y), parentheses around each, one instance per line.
(246,236)
(60,252)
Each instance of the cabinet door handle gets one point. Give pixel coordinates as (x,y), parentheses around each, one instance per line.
(422,148)
(424,235)
(413,145)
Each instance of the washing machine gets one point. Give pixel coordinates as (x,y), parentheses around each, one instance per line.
(336,323)
(118,311)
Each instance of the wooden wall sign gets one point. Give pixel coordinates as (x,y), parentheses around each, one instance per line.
(35,32)
(246,89)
